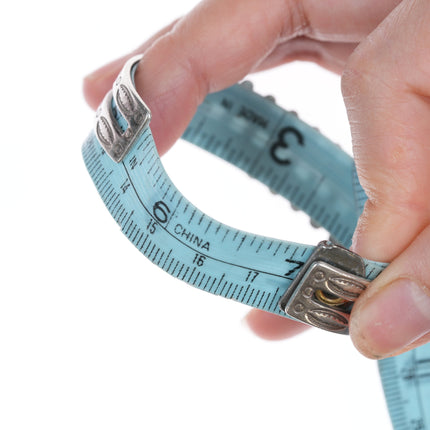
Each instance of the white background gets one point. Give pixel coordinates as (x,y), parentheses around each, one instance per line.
(92,335)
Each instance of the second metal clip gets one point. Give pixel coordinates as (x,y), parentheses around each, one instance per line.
(325,289)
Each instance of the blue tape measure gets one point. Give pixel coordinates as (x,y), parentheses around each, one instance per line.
(315,285)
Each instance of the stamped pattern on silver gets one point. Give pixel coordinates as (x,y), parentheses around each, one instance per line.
(117,140)
(325,289)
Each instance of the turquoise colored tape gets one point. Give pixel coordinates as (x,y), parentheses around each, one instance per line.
(292,159)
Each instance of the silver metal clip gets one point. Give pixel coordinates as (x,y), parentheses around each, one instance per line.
(326,287)
(117,140)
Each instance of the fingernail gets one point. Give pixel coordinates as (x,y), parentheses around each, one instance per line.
(393,318)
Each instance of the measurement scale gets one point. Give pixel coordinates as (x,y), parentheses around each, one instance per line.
(316,285)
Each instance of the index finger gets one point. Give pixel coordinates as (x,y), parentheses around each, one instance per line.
(221,41)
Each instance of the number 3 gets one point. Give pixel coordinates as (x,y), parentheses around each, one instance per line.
(282,143)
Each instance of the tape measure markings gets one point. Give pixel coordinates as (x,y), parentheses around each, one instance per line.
(247,130)
(241,291)
(227,231)
(406,382)
(269,173)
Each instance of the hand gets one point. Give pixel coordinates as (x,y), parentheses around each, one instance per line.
(382,48)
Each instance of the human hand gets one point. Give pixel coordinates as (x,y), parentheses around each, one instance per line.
(386,86)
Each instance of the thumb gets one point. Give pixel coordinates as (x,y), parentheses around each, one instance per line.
(386,87)
(395,314)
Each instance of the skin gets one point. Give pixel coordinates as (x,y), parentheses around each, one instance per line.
(381,50)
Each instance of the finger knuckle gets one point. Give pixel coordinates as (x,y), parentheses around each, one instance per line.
(185,68)
(297,21)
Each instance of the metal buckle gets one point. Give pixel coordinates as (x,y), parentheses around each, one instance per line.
(115,139)
(324,291)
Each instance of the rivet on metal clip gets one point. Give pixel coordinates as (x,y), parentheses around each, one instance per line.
(324,291)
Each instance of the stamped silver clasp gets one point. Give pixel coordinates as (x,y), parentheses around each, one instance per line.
(326,287)
(122,114)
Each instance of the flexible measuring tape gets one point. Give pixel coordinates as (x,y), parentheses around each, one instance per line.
(316,285)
